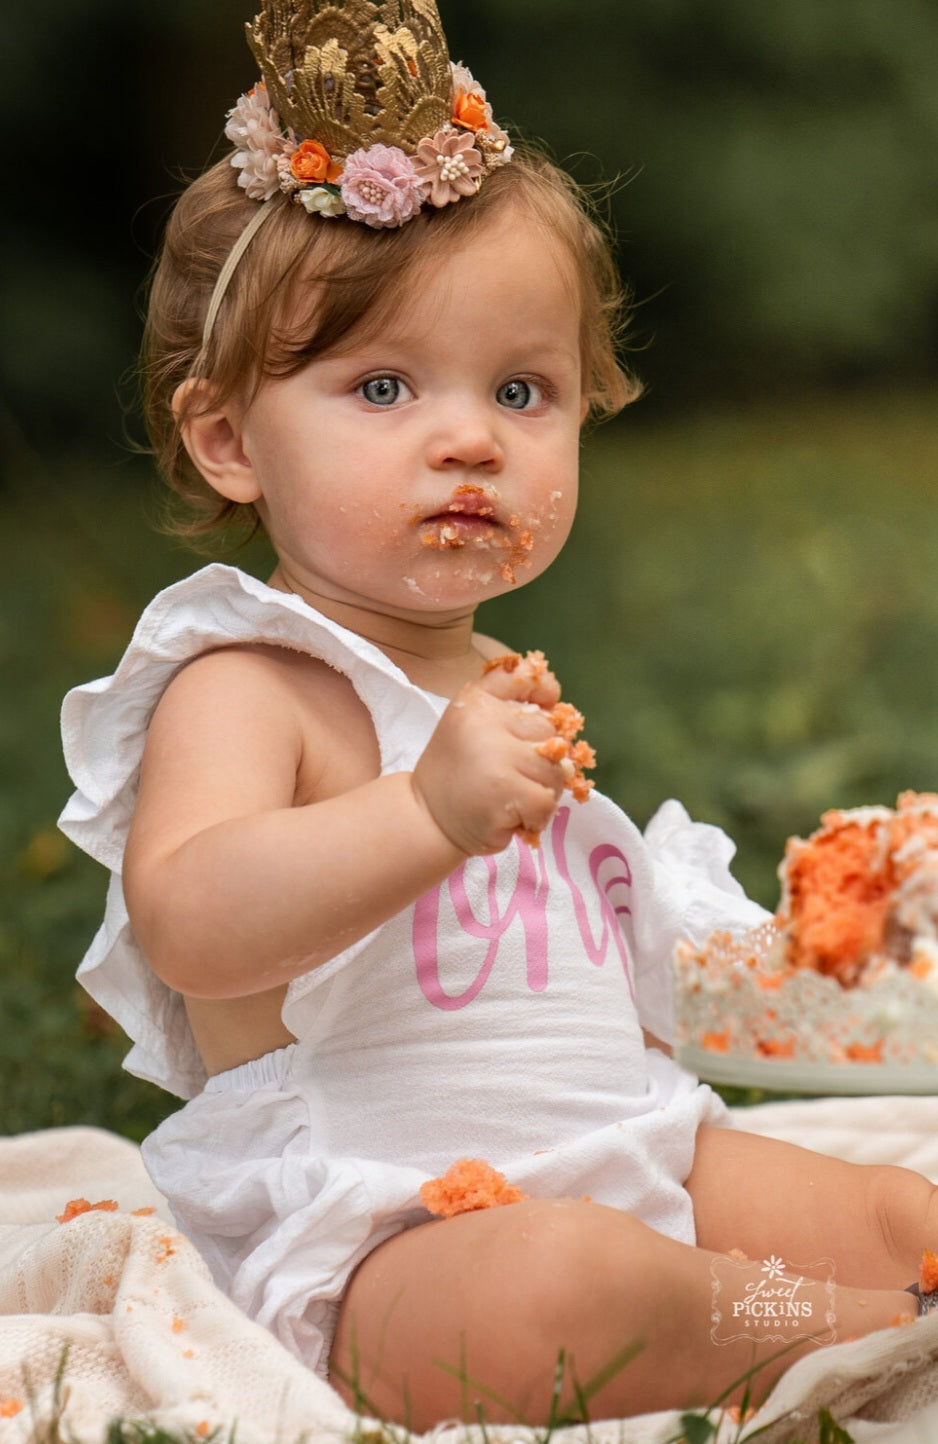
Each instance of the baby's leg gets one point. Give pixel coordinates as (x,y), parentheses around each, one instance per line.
(767,1197)
(475,1311)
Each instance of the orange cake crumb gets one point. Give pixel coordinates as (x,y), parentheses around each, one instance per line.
(842,884)
(928,1272)
(76,1206)
(535,682)
(865,1053)
(469,1184)
(776,1047)
(716,1042)
(839,884)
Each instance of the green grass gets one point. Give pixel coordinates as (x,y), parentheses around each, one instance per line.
(747,614)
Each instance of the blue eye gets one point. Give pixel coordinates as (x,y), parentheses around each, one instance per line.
(518,395)
(383,390)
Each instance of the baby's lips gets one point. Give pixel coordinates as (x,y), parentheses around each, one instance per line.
(465,500)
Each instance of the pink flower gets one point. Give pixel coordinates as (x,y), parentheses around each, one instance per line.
(381,187)
(450,165)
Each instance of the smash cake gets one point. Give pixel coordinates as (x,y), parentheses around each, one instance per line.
(840,988)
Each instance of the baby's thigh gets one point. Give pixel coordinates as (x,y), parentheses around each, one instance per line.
(475,1312)
(427,1312)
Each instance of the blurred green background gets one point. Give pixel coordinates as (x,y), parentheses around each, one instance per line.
(747,611)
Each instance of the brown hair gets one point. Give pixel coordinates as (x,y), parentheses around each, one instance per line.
(275,318)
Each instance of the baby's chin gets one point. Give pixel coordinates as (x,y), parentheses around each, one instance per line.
(461,590)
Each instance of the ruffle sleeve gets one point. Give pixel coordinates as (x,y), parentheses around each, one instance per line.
(104,728)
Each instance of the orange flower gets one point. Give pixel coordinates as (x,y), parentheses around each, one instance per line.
(312,162)
(470,1184)
(469,111)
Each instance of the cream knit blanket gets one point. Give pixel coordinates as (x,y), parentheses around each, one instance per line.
(127,1303)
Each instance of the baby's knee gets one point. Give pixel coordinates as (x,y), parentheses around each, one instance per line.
(904,1207)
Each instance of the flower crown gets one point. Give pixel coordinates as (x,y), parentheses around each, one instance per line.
(360,112)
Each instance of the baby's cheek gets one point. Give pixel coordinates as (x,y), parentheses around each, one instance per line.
(550,521)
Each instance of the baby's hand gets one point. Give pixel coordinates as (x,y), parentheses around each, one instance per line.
(482,776)
(513,753)
(531,678)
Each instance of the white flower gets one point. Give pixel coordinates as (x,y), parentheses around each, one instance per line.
(254,129)
(318,200)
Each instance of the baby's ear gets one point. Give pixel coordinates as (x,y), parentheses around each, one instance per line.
(211,434)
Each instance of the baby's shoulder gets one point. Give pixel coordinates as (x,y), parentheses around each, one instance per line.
(248,676)
(254,696)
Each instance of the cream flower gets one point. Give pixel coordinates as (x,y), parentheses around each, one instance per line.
(254,129)
(320,201)
(450,165)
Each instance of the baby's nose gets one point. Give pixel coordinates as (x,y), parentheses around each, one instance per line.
(466,438)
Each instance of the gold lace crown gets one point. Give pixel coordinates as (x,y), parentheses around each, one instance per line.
(360,112)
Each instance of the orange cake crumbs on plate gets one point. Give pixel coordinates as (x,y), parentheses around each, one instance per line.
(469,1184)
(536,683)
(846,973)
(862,886)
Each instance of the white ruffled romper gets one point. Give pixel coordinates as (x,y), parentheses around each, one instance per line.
(499,1017)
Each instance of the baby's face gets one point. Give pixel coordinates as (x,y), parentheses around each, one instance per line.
(434,466)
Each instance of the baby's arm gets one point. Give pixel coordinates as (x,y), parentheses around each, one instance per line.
(263,843)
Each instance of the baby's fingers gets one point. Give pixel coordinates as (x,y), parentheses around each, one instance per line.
(530,723)
(514,678)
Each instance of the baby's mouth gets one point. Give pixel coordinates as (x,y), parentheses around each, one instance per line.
(469,517)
